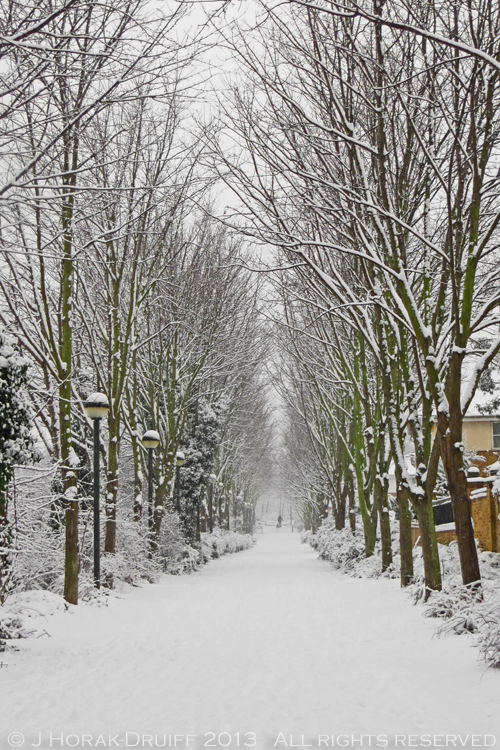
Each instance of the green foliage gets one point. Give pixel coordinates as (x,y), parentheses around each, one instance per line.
(16,444)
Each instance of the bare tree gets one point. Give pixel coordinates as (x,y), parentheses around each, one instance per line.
(380,146)
(96,58)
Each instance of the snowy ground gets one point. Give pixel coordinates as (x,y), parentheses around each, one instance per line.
(270,643)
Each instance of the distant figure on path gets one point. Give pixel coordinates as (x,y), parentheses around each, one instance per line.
(278,525)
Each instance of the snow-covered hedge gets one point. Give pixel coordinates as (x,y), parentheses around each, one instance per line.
(40,586)
(222,542)
(346,551)
(25,615)
(38,549)
(461,609)
(38,560)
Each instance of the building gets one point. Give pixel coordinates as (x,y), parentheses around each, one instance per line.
(481,427)
(481,434)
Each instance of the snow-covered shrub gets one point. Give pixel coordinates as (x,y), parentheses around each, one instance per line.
(342,548)
(460,607)
(346,551)
(38,553)
(16,444)
(463,609)
(307,537)
(25,615)
(11,628)
(222,542)
(455,604)
(488,635)
(38,561)
(176,556)
(131,563)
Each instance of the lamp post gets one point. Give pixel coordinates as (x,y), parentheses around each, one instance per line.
(96,408)
(150,441)
(179,461)
(211,481)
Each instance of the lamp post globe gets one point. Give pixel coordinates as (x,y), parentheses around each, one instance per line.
(96,408)
(151,441)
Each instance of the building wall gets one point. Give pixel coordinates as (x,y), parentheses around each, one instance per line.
(484,509)
(489,457)
(477,435)
(443,537)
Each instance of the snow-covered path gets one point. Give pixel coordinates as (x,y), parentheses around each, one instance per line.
(267,641)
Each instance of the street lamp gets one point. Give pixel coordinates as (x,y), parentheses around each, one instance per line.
(179,461)
(96,408)
(211,481)
(150,441)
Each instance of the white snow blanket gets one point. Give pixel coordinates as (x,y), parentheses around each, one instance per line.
(267,648)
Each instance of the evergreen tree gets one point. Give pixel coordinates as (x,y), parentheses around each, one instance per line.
(16,444)
(199,444)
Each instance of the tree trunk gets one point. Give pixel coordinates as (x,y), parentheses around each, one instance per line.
(71,564)
(405,544)
(429,546)
(135,439)
(382,505)
(359,453)
(450,429)
(112,483)
(457,485)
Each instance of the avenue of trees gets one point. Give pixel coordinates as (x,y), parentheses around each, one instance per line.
(361,141)
(364,149)
(113,279)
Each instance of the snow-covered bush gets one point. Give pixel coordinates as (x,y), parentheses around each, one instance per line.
(488,635)
(38,561)
(463,609)
(460,607)
(455,604)
(174,553)
(25,615)
(222,542)
(16,444)
(38,553)
(342,548)
(307,537)
(346,551)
